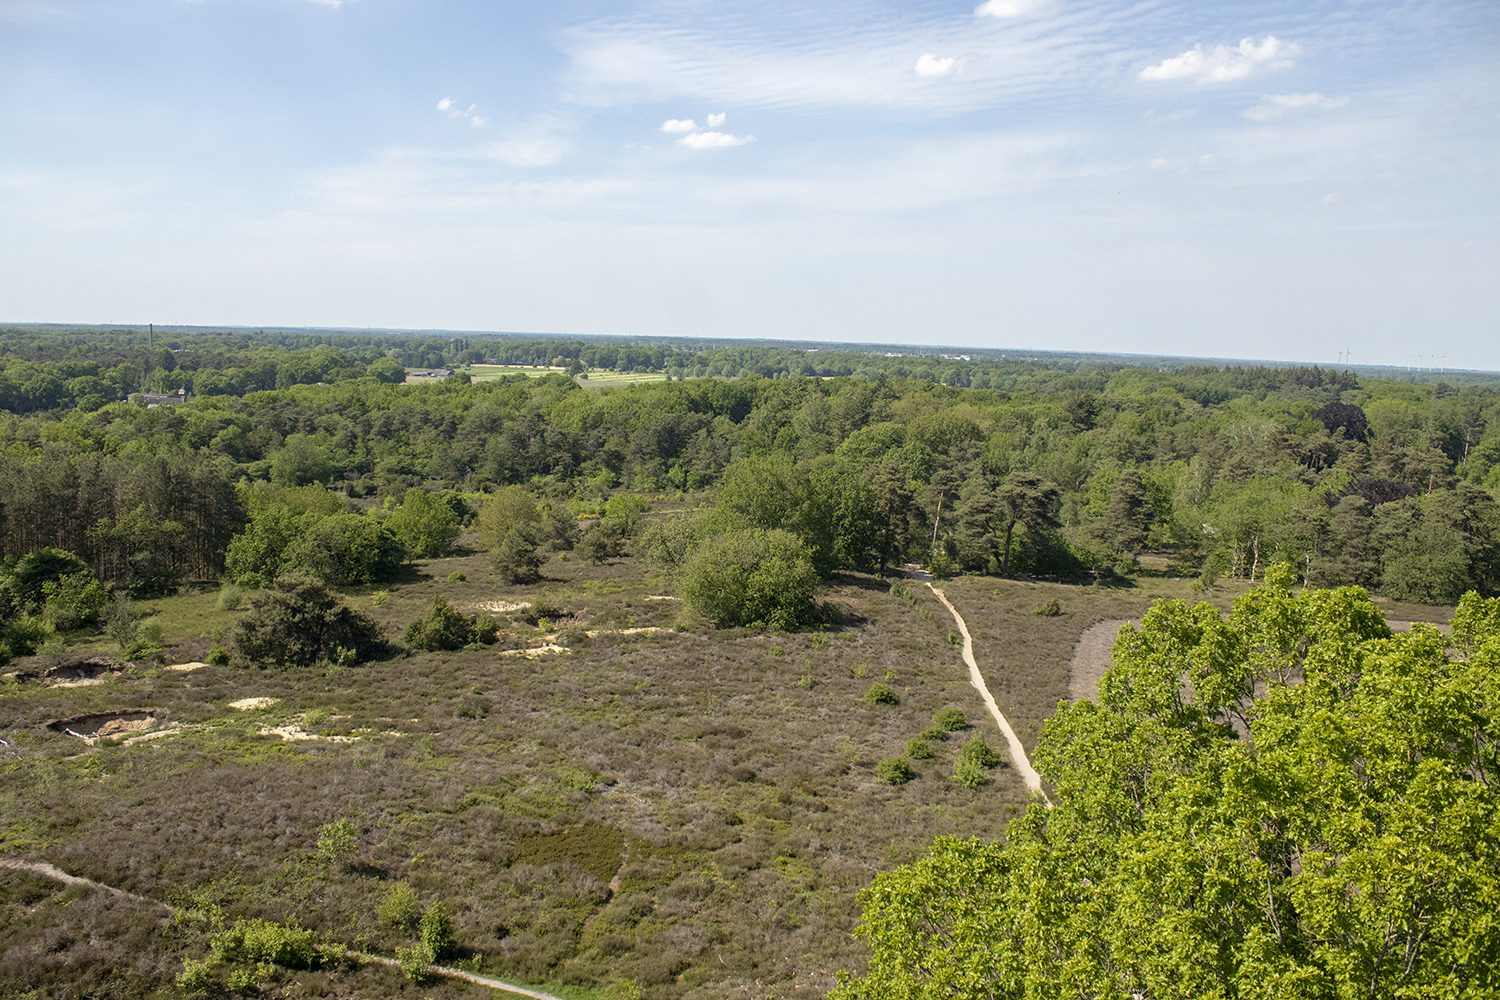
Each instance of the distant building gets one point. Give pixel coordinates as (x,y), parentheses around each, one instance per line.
(151,400)
(429,373)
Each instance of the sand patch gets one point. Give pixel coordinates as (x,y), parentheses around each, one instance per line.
(292,732)
(498,607)
(251,704)
(642,630)
(662,597)
(531,653)
(95,728)
(186,668)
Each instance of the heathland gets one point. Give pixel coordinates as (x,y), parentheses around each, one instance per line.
(608,666)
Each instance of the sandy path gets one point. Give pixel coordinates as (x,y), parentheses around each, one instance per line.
(1017,751)
(58,875)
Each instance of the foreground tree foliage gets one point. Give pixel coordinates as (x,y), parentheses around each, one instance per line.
(1289,802)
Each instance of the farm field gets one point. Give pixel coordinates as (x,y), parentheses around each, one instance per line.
(597,379)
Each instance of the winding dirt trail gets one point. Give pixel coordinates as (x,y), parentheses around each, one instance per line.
(1017,751)
(58,875)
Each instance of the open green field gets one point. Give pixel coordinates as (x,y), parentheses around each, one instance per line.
(488,373)
(597,379)
(605,379)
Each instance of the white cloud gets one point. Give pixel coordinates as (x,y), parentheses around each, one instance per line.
(713,140)
(717,119)
(1275,105)
(1221,63)
(335,4)
(931,65)
(449,107)
(677,126)
(1009,8)
(1330,199)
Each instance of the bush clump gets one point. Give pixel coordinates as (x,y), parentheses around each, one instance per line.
(918,749)
(881,694)
(949,719)
(894,771)
(751,577)
(444,628)
(299,623)
(974,763)
(400,908)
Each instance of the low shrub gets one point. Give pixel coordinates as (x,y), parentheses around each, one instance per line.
(894,771)
(949,719)
(881,694)
(400,908)
(918,749)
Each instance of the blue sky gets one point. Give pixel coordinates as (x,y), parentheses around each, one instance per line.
(1269,180)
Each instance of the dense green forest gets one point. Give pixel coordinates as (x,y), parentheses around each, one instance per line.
(299,502)
(293,454)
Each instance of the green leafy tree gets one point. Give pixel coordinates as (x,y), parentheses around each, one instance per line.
(424,524)
(387,370)
(751,577)
(436,932)
(1284,802)
(345,550)
(510,525)
(74,602)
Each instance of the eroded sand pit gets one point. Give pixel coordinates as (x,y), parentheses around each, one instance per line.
(100,726)
(251,704)
(186,668)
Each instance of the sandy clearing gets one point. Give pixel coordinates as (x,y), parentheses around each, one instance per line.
(662,597)
(1091,658)
(531,653)
(292,732)
(498,607)
(251,704)
(186,668)
(642,630)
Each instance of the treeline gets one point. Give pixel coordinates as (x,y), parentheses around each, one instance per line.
(1063,473)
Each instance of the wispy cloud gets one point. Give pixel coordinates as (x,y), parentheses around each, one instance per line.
(677,126)
(1223,63)
(831,66)
(712,139)
(450,107)
(1009,8)
(1273,106)
(931,65)
(717,119)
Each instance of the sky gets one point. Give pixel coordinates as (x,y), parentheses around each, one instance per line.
(1300,181)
